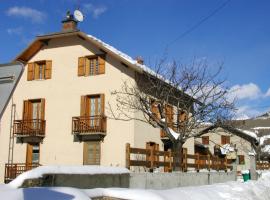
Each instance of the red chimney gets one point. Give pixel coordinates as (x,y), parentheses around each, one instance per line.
(69,24)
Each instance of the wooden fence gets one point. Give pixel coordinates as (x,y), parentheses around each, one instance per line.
(151,158)
(263,165)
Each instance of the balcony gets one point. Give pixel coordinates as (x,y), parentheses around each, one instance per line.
(32,130)
(89,127)
(15,169)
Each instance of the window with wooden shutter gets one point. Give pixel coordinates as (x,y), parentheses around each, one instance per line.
(154,108)
(205,140)
(48,69)
(169,115)
(101,61)
(225,139)
(91,65)
(30,72)
(241,159)
(34,109)
(39,70)
(81,66)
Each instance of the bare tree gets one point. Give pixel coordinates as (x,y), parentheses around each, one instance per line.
(175,98)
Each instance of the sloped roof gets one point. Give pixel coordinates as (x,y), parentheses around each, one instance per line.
(9,77)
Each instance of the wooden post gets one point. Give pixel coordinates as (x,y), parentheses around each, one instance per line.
(170,160)
(226,162)
(127,155)
(152,158)
(198,162)
(208,160)
(185,161)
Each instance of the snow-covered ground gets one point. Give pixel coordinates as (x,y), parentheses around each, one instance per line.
(251,190)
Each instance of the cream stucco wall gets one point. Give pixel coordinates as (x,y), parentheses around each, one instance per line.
(62,101)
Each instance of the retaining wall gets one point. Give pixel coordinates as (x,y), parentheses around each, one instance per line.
(178,179)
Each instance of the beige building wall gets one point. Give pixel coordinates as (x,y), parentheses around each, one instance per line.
(62,102)
(62,94)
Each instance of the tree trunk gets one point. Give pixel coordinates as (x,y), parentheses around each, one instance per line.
(177,155)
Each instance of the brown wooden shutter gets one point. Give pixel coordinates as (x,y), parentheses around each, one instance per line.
(102,101)
(26,108)
(81,66)
(101,62)
(29,154)
(154,109)
(30,71)
(42,109)
(36,71)
(156,149)
(48,69)
(87,67)
(83,105)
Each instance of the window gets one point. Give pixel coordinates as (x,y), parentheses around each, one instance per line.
(225,139)
(91,153)
(205,140)
(91,65)
(32,153)
(241,159)
(39,70)
(34,109)
(92,105)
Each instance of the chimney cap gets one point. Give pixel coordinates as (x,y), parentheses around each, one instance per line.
(139,60)
(69,17)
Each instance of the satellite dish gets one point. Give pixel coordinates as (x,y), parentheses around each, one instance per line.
(78,15)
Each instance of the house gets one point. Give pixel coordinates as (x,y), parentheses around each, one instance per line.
(9,77)
(61,115)
(228,142)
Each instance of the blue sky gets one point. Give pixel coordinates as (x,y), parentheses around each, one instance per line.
(237,35)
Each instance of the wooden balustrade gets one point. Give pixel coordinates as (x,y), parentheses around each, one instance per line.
(262,165)
(89,124)
(15,169)
(148,159)
(31,127)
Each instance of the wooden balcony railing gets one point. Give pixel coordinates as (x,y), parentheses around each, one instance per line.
(89,124)
(32,127)
(15,169)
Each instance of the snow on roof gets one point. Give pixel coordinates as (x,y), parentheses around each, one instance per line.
(263,138)
(261,128)
(123,55)
(249,133)
(266,149)
(39,171)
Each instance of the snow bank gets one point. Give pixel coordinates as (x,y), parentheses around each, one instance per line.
(38,172)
